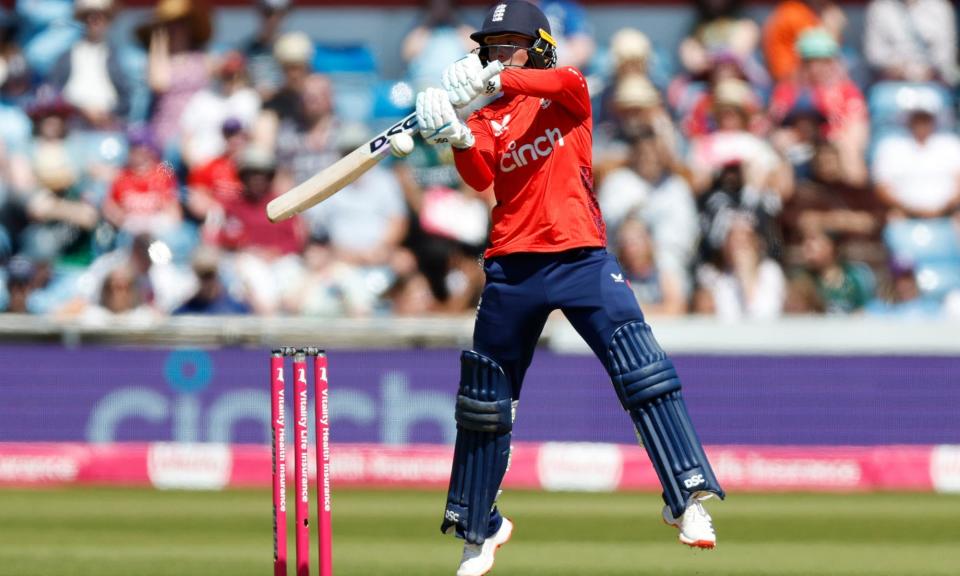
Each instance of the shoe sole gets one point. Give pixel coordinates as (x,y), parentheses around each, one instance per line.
(700,544)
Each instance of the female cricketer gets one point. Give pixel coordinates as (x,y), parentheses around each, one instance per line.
(546,252)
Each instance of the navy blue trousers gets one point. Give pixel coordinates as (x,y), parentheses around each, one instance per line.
(521,290)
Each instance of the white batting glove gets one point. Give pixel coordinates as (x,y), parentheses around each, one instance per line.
(438,120)
(464,80)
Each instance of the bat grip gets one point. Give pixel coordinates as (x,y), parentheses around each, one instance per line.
(491,70)
(488,72)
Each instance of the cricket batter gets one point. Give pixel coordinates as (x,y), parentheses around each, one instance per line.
(533,144)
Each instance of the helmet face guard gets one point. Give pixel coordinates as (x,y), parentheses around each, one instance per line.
(541,54)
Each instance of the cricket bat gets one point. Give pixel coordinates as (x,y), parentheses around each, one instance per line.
(335,177)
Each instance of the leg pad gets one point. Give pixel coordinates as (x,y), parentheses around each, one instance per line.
(484,415)
(649,389)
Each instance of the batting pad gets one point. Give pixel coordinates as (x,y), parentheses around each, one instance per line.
(649,389)
(482,451)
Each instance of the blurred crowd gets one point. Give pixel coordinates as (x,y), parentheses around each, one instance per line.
(751,170)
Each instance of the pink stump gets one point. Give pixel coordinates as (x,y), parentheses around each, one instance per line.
(301,476)
(322,415)
(279,469)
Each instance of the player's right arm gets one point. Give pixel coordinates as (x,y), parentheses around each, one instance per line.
(566,86)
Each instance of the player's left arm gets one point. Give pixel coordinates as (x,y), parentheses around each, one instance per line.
(566,86)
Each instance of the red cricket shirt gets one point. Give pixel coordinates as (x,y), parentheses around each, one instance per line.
(534,144)
(144,193)
(219,177)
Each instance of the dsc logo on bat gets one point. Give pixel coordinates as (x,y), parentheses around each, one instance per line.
(405,125)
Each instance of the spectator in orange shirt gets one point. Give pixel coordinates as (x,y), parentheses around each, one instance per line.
(785,25)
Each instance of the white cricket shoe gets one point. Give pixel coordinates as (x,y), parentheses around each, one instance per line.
(695,525)
(477,559)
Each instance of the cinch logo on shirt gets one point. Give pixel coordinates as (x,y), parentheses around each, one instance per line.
(541,147)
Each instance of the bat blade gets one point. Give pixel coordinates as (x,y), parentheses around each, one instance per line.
(335,177)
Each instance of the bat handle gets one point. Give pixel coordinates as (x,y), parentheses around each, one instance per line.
(491,70)
(488,72)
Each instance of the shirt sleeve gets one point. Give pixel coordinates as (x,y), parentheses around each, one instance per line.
(566,86)
(475,164)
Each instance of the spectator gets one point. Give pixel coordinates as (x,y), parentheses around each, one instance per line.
(905,299)
(733,143)
(265,73)
(160,283)
(263,257)
(827,201)
(659,290)
(637,110)
(216,184)
(799,136)
(730,200)
(177,65)
(822,84)
(650,189)
(22,280)
(51,117)
(144,197)
(211,296)
(307,145)
(61,219)
(294,52)
(329,287)
(15,95)
(699,111)
(90,74)
(789,20)
(630,53)
(918,175)
(912,40)
(439,39)
(463,282)
(410,295)
(120,296)
(720,27)
(448,221)
(842,286)
(367,220)
(747,284)
(230,97)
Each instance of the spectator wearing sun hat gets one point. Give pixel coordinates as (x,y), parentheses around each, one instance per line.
(823,84)
(90,74)
(917,175)
(636,109)
(177,64)
(630,51)
(733,105)
(294,53)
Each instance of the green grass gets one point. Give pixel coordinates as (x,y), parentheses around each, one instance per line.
(131,532)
